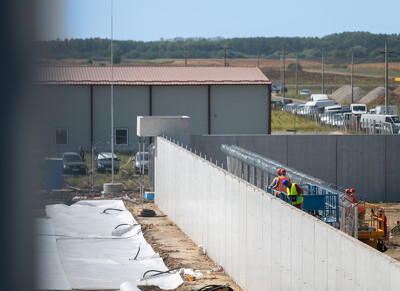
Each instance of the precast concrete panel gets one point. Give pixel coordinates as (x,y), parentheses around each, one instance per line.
(243,234)
(222,218)
(334,257)
(65,107)
(214,209)
(254,238)
(267,242)
(296,228)
(286,248)
(392,169)
(211,145)
(348,263)
(364,269)
(236,234)
(380,272)
(229,184)
(183,100)
(203,201)
(321,256)
(361,162)
(271,146)
(314,155)
(276,243)
(394,275)
(239,109)
(129,102)
(308,253)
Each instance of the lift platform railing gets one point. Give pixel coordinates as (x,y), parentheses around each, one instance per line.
(317,201)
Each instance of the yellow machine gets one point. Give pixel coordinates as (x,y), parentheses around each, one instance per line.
(371,228)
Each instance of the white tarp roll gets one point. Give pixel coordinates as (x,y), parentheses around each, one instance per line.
(92,257)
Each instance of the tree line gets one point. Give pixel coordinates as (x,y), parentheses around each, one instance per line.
(364,45)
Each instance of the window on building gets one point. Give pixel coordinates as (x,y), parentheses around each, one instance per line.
(121,136)
(61,137)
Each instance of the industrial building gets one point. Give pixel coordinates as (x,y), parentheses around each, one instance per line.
(219,100)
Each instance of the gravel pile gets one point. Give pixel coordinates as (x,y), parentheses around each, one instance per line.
(343,94)
(371,96)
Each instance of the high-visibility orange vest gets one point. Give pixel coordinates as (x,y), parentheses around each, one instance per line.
(280,186)
(360,206)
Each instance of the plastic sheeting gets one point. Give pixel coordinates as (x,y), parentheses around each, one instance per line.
(91,257)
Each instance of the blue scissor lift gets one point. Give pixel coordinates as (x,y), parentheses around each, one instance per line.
(317,201)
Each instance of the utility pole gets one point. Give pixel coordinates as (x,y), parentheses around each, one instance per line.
(386,78)
(352,77)
(258,57)
(185,54)
(225,49)
(323,85)
(283,72)
(297,88)
(112,96)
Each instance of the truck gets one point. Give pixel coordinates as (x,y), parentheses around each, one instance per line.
(358,108)
(381,122)
(317,97)
(392,110)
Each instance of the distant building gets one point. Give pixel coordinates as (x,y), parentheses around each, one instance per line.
(220,100)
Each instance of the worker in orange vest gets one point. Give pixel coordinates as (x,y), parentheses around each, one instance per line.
(276,179)
(280,187)
(354,200)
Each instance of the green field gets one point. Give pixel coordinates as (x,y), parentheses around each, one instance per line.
(284,121)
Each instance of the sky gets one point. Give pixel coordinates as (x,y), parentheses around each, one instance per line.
(168,19)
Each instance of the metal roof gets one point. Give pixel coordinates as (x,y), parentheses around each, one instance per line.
(87,75)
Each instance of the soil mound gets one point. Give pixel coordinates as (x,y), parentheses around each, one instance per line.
(371,96)
(343,94)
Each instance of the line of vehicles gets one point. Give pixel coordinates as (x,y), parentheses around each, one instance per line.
(73,163)
(356,116)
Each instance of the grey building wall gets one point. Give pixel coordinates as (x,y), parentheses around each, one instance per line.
(239,109)
(183,101)
(367,163)
(65,107)
(129,102)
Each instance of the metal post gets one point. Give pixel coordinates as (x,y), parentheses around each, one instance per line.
(112,97)
(92,167)
(386,78)
(283,72)
(352,77)
(323,84)
(297,88)
(355,221)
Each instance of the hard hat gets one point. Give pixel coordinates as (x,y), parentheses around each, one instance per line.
(283,171)
(278,171)
(285,182)
(347,191)
(352,190)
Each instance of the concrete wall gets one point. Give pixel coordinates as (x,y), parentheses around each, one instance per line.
(262,242)
(367,163)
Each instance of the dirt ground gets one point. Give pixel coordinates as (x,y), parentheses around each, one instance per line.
(178,250)
(392,211)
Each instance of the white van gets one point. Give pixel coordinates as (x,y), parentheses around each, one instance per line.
(332,109)
(367,120)
(321,103)
(358,108)
(317,97)
(391,110)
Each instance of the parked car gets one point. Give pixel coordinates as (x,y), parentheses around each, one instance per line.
(104,162)
(305,92)
(287,101)
(141,161)
(276,88)
(73,164)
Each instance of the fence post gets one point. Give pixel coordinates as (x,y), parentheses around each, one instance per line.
(355,221)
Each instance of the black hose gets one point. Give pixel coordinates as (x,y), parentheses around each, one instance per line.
(116,209)
(158,273)
(215,287)
(137,254)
